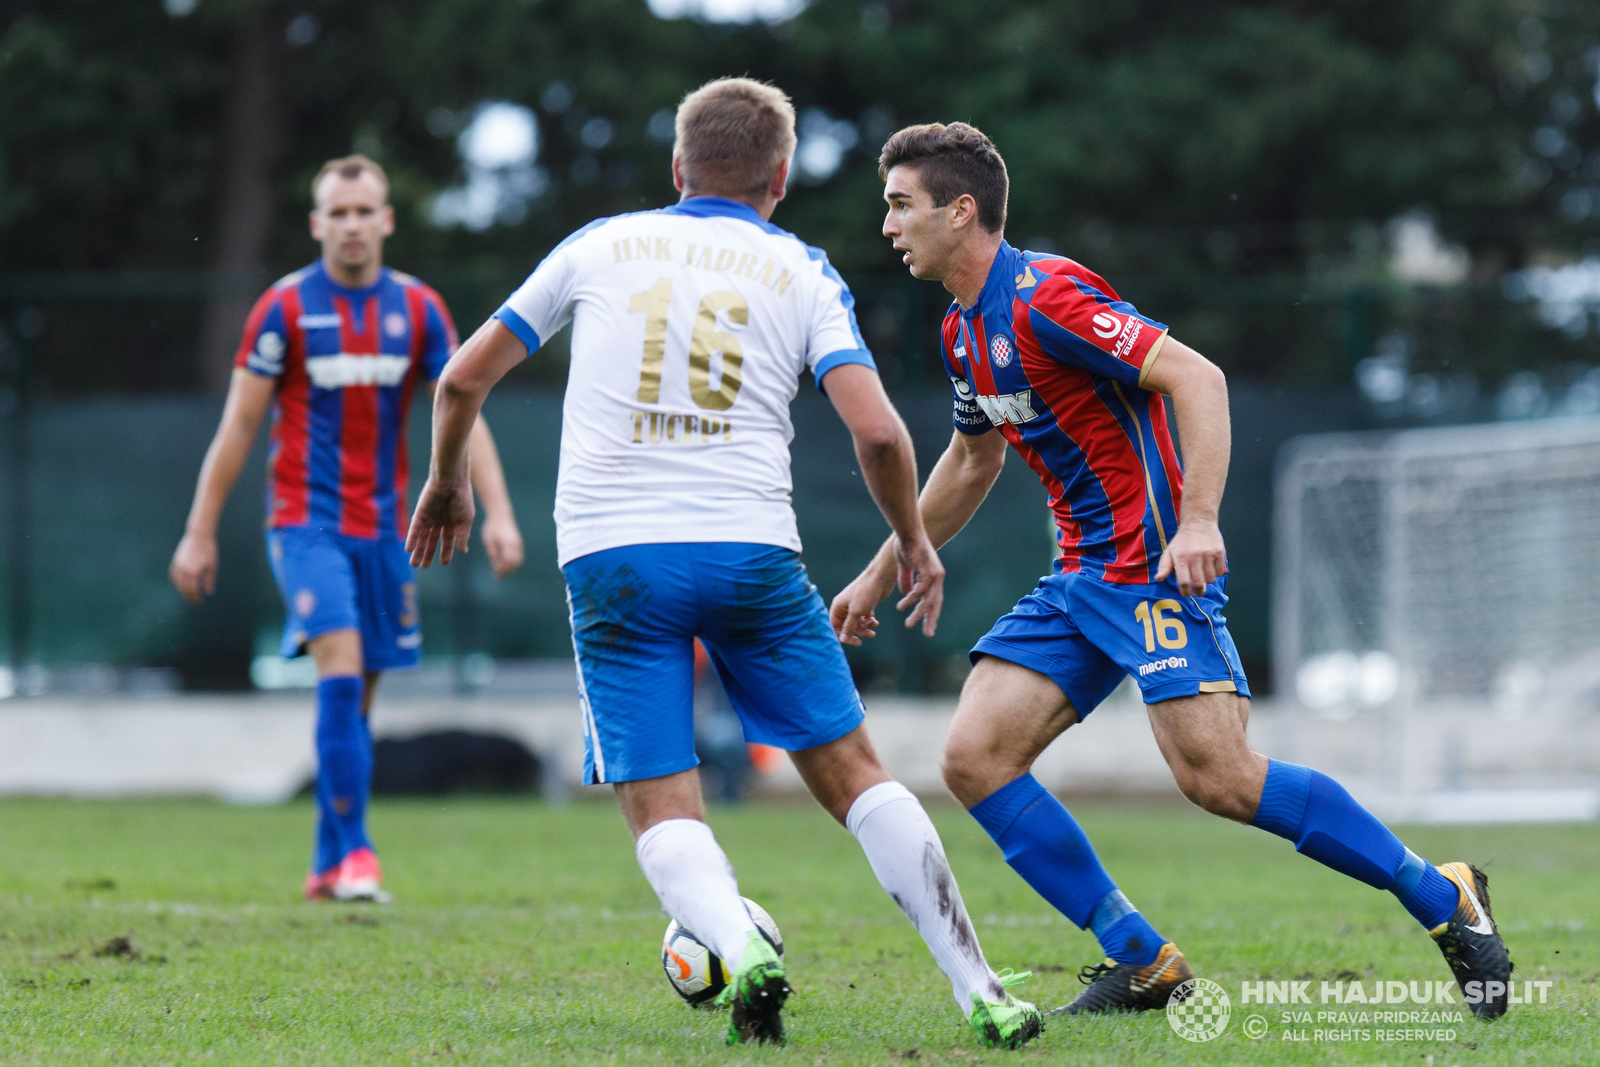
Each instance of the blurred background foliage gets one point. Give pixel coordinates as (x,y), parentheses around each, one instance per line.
(1203,152)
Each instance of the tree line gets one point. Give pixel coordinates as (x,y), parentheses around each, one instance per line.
(1156,139)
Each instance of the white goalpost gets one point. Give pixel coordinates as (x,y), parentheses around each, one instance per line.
(1427,580)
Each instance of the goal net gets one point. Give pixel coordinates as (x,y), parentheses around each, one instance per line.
(1447,570)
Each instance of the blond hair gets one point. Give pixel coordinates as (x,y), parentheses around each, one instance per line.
(350,167)
(732,134)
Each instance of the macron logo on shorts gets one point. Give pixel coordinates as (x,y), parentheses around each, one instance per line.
(1147,669)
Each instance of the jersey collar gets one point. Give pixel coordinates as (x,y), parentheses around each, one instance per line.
(705,207)
(344,290)
(1001,285)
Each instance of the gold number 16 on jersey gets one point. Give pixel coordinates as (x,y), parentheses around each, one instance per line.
(654,303)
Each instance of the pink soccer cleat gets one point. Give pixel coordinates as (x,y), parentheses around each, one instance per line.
(320,886)
(360,877)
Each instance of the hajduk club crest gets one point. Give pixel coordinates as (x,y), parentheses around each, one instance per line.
(1000,350)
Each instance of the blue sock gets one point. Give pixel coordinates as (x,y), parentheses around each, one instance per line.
(326,855)
(1325,823)
(1044,843)
(1429,896)
(344,764)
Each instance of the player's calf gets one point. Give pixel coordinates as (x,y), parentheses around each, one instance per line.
(1451,902)
(908,858)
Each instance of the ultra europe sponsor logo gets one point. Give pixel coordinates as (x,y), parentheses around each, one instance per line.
(268,354)
(1171,662)
(270,346)
(1199,1010)
(1125,329)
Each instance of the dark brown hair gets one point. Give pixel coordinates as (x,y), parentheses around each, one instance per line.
(951,160)
(350,167)
(731,135)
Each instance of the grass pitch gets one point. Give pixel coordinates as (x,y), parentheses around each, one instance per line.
(525,934)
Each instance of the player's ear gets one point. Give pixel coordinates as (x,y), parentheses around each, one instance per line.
(386,222)
(963,211)
(677,173)
(780,181)
(316,225)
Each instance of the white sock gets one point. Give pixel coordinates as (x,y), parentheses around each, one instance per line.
(687,869)
(908,858)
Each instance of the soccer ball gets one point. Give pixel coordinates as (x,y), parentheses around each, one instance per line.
(697,974)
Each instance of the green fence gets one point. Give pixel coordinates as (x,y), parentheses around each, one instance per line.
(109,481)
(103,432)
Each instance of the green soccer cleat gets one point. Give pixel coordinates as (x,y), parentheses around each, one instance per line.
(756,993)
(1008,1025)
(1125,987)
(1471,943)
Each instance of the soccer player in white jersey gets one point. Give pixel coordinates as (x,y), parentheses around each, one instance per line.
(692,326)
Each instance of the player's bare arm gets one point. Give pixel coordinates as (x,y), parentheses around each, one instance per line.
(889,467)
(502,539)
(1195,556)
(956,487)
(194,565)
(443,518)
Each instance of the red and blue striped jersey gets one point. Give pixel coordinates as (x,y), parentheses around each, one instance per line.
(1055,360)
(346,363)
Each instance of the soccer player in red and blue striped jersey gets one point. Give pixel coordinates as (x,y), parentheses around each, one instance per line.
(337,351)
(1046,359)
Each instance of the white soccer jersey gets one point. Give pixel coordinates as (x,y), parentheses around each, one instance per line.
(691,326)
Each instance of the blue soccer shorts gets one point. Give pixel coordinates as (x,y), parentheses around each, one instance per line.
(332,582)
(1086,634)
(636,611)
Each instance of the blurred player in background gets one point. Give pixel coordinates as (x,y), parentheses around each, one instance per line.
(336,350)
(692,326)
(1044,356)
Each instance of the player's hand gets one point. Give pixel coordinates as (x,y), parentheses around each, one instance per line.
(194,567)
(853,613)
(443,520)
(503,541)
(1195,557)
(921,579)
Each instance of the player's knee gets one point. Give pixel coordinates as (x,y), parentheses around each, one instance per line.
(1217,792)
(967,770)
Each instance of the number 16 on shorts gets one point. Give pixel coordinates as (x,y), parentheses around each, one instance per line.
(1160,628)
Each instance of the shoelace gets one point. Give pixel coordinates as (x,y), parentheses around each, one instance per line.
(1092,973)
(1009,978)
